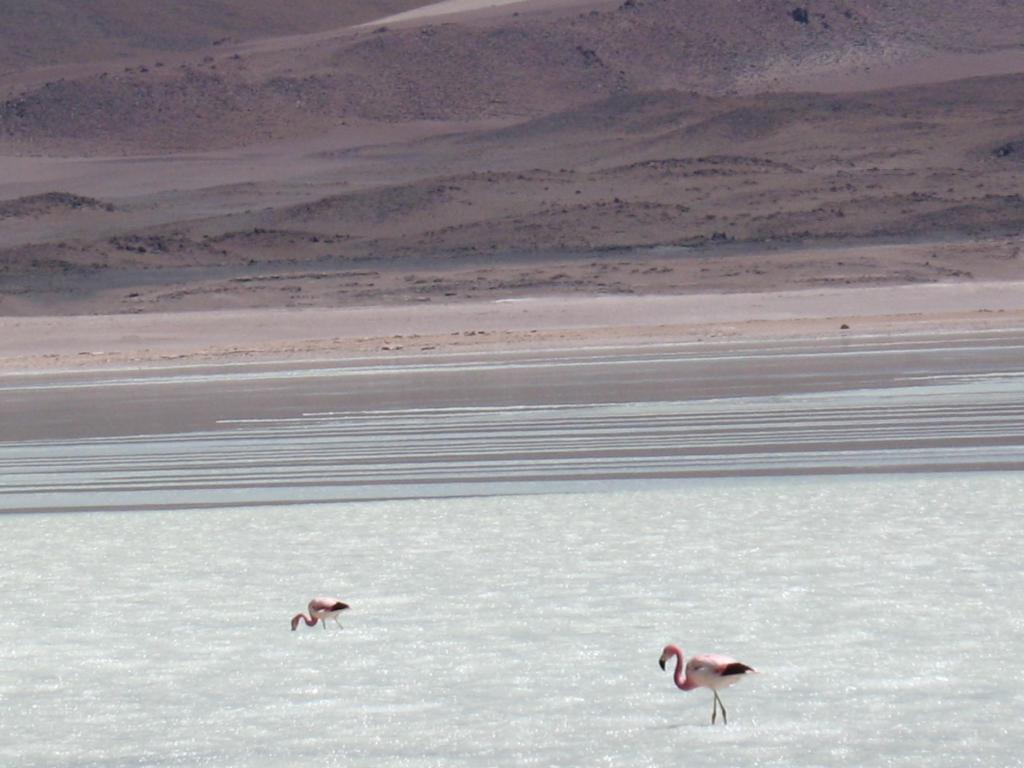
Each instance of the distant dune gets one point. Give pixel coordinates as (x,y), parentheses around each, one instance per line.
(454,7)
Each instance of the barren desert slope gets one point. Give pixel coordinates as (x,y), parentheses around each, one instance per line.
(227,156)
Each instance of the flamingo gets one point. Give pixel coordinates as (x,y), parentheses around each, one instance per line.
(706,670)
(320,608)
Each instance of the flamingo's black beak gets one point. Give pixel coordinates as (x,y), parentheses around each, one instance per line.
(661,663)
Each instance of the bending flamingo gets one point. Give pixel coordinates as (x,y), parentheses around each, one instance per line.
(707,670)
(320,609)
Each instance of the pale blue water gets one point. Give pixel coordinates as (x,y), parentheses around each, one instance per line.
(517,548)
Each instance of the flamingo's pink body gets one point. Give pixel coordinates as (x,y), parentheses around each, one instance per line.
(706,670)
(320,609)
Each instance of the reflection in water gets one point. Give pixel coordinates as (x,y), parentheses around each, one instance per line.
(972,422)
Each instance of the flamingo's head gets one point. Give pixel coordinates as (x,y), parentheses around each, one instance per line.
(667,653)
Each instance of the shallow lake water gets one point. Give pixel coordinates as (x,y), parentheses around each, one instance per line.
(518,538)
(883,614)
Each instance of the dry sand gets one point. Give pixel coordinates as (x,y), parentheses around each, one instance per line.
(446,8)
(54,343)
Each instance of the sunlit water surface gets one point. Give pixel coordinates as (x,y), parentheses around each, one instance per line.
(884,614)
(164,525)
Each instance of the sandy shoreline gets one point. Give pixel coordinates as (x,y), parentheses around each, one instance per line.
(53,343)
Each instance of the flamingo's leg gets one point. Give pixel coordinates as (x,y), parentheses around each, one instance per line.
(725,718)
(714,707)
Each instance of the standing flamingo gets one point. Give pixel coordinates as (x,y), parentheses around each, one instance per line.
(320,608)
(707,670)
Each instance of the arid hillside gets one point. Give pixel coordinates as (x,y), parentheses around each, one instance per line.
(540,146)
(512,64)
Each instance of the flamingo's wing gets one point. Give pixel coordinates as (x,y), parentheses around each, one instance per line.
(710,662)
(326,604)
(717,664)
(736,668)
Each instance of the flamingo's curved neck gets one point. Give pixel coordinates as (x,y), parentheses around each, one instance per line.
(679,678)
(310,620)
